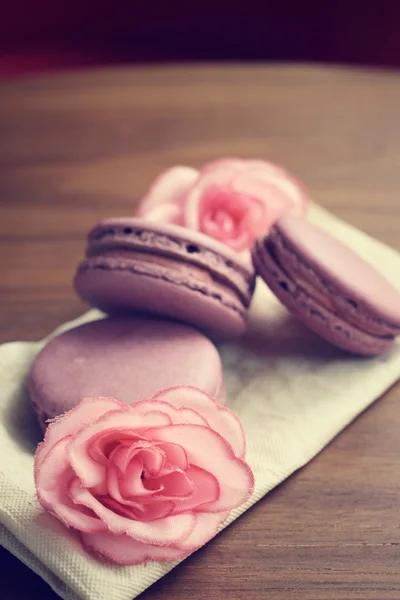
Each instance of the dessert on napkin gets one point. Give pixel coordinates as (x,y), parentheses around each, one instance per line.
(124,491)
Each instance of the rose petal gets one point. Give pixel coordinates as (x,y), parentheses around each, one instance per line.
(291,186)
(206,489)
(206,449)
(205,529)
(153,460)
(230,215)
(267,194)
(129,487)
(171,482)
(297,192)
(132,510)
(278,193)
(169,190)
(170,530)
(225,200)
(85,412)
(90,471)
(124,550)
(215,173)
(218,417)
(52,477)
(104,445)
(171,485)
(146,512)
(185,413)
(175,455)
(151,457)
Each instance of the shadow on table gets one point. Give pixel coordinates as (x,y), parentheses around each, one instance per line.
(21,421)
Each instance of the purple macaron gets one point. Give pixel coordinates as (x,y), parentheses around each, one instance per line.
(133,265)
(124,358)
(330,288)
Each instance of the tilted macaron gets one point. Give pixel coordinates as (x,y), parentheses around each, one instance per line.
(134,265)
(124,358)
(331,289)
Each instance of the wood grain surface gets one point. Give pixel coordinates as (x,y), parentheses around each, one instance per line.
(84,146)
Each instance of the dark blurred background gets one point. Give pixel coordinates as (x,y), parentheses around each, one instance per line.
(40,35)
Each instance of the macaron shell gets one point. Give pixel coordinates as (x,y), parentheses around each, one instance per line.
(314,315)
(127,359)
(357,285)
(122,290)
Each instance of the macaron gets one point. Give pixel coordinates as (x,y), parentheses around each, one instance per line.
(335,292)
(133,265)
(125,358)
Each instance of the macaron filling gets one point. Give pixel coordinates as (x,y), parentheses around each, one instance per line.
(167,269)
(192,271)
(113,235)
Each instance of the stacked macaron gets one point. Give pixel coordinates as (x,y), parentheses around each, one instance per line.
(134,265)
(167,289)
(164,288)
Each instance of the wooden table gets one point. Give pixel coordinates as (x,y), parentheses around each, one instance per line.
(84,146)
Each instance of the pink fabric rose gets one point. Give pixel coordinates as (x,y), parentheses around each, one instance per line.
(152,480)
(231,200)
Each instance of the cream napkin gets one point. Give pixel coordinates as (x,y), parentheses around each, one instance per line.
(293,393)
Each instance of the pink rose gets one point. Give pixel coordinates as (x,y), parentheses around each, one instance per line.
(231,200)
(152,480)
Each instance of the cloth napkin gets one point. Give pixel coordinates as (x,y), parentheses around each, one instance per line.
(292,391)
